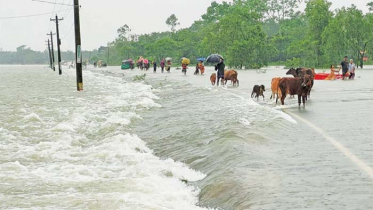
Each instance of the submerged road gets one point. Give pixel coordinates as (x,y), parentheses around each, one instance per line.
(324,160)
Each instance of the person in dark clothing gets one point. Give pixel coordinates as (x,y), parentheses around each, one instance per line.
(197,70)
(220,68)
(155,66)
(162,65)
(344,67)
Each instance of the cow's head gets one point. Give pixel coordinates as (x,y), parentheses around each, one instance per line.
(263,88)
(306,81)
(292,71)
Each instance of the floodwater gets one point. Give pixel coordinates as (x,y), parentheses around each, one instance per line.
(176,142)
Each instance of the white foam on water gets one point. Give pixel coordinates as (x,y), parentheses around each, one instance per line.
(64,127)
(32,117)
(244,121)
(83,157)
(251,102)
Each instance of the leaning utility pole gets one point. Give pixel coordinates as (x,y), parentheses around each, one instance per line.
(50,55)
(78,48)
(58,44)
(53,67)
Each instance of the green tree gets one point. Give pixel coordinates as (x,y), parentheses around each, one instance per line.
(172,22)
(318,17)
(123,32)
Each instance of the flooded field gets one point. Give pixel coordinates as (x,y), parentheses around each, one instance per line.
(175,142)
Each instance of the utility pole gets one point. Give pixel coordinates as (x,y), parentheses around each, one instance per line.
(50,55)
(78,48)
(53,67)
(58,44)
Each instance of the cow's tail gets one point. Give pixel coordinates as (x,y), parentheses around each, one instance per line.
(252,94)
(277,93)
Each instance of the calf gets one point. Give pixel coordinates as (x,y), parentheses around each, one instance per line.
(258,90)
(213,78)
(232,76)
(295,86)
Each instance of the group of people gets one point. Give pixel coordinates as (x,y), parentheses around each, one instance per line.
(348,70)
(164,65)
(199,68)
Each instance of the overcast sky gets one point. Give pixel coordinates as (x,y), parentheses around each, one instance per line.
(100,19)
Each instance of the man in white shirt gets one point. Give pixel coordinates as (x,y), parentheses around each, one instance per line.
(351,69)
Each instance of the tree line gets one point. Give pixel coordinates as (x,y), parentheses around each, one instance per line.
(253,34)
(25,55)
(256,33)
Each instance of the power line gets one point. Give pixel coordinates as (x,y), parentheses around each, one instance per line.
(49,2)
(68,31)
(25,16)
(61,6)
(54,7)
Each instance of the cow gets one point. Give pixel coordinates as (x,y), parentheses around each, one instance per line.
(213,78)
(232,76)
(258,90)
(299,72)
(274,87)
(296,86)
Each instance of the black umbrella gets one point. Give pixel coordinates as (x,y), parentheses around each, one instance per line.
(214,59)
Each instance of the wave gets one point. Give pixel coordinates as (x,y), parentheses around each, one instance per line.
(83,154)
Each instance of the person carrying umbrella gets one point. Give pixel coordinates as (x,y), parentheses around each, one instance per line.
(220,68)
(184,64)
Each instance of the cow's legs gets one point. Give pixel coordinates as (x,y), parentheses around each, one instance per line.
(283,99)
(299,99)
(304,100)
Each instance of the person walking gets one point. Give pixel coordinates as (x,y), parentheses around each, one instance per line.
(155,66)
(344,67)
(201,67)
(351,69)
(220,68)
(197,70)
(162,65)
(168,66)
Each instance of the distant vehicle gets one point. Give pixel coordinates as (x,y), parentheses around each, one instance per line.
(101,64)
(127,64)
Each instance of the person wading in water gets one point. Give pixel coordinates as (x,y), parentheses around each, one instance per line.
(344,67)
(351,69)
(155,66)
(220,68)
(162,65)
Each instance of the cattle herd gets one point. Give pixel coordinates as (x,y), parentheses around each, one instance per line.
(300,85)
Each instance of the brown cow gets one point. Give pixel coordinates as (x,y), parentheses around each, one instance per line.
(275,90)
(274,87)
(295,86)
(213,78)
(299,72)
(232,76)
